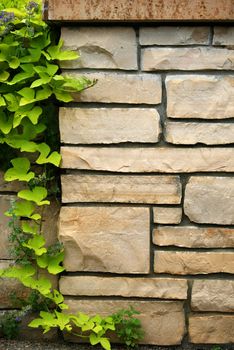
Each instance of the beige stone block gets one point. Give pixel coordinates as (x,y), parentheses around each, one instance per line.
(223,36)
(5,204)
(194,236)
(162,321)
(121,88)
(193,263)
(121,189)
(108,239)
(213,295)
(50,217)
(163,288)
(209,199)
(167,215)
(187,96)
(211,329)
(109,125)
(195,58)
(101,47)
(146,159)
(174,35)
(193,133)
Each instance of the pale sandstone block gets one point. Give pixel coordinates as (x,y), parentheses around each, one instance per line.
(145,159)
(108,239)
(164,288)
(209,199)
(109,125)
(162,321)
(211,329)
(194,236)
(195,58)
(206,133)
(200,96)
(174,35)
(101,47)
(193,263)
(213,295)
(121,189)
(167,215)
(223,36)
(5,204)
(121,88)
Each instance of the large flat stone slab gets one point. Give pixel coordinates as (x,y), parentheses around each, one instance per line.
(107,239)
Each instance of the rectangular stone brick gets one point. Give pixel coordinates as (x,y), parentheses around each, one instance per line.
(101,47)
(5,204)
(146,160)
(193,263)
(121,88)
(195,58)
(162,321)
(223,36)
(164,288)
(109,125)
(193,133)
(121,189)
(188,94)
(213,295)
(174,35)
(108,239)
(209,200)
(194,236)
(167,215)
(211,329)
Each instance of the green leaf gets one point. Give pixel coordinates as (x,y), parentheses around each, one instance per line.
(12,102)
(24,209)
(63,96)
(43,94)
(2,102)
(94,339)
(6,123)
(53,158)
(52,263)
(37,195)
(105,343)
(27,228)
(97,329)
(34,114)
(20,170)
(27,94)
(20,77)
(4,76)
(14,62)
(36,244)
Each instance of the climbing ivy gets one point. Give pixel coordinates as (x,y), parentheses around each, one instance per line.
(30,81)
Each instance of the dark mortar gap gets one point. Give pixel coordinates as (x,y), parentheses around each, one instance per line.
(211,36)
(151,248)
(174,248)
(186,46)
(119,298)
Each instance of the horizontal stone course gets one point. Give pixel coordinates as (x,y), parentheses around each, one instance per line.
(121,188)
(164,288)
(167,215)
(109,125)
(223,35)
(200,96)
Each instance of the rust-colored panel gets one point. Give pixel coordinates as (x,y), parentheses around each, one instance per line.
(141,10)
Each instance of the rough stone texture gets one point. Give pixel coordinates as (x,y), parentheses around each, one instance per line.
(163,160)
(194,236)
(211,329)
(164,288)
(213,295)
(195,58)
(50,221)
(174,35)
(162,321)
(167,215)
(101,47)
(108,239)
(114,125)
(206,133)
(193,263)
(121,88)
(188,94)
(5,203)
(209,200)
(121,189)
(223,36)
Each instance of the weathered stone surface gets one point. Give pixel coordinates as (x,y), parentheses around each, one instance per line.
(49,222)
(223,36)
(109,239)
(163,160)
(5,204)
(167,215)
(164,288)
(101,47)
(109,125)
(206,133)
(162,321)
(212,329)
(195,58)
(194,236)
(121,189)
(121,88)
(188,94)
(213,295)
(13,186)
(209,199)
(193,263)
(171,35)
